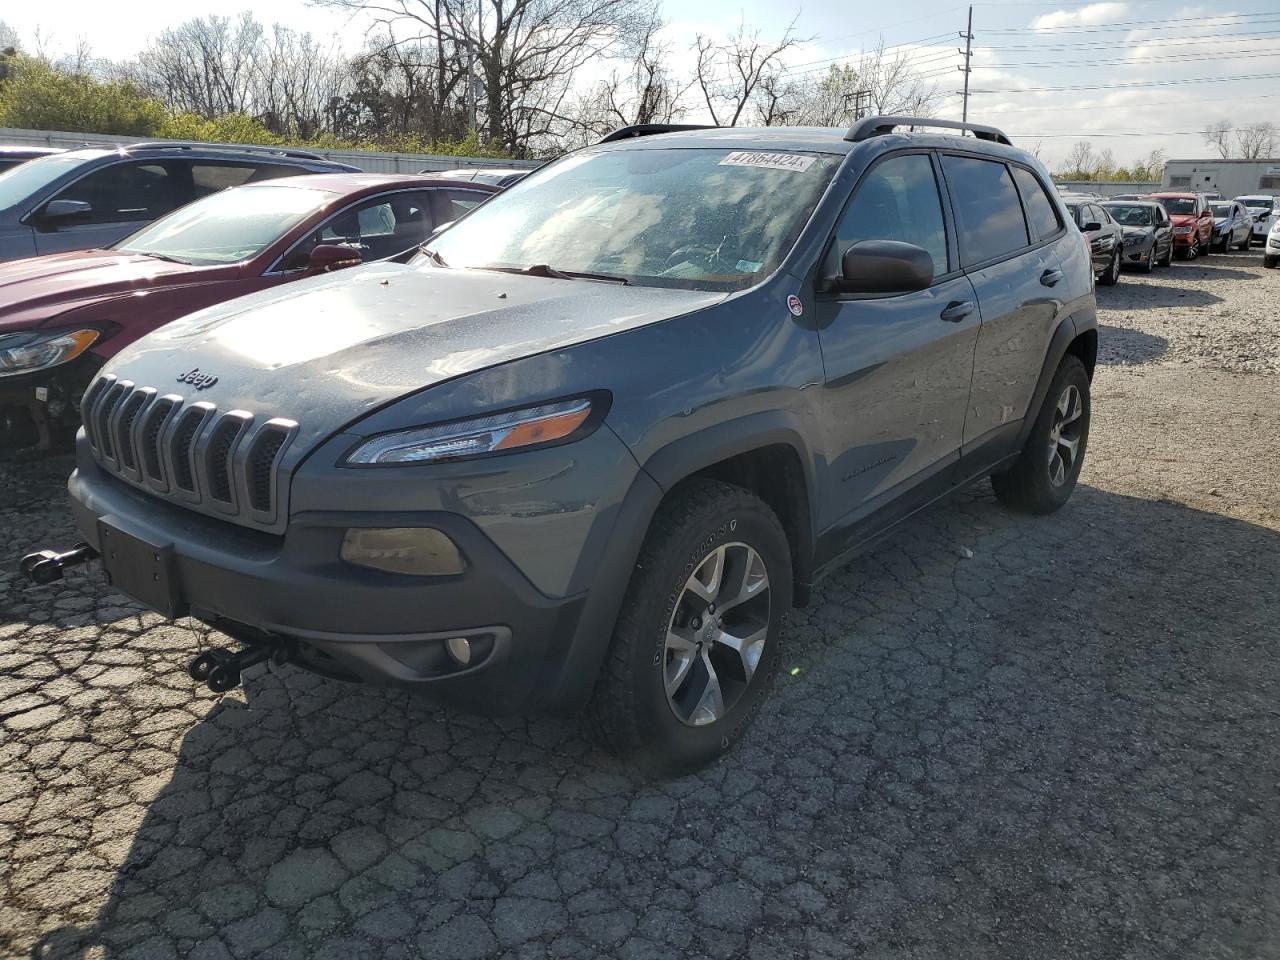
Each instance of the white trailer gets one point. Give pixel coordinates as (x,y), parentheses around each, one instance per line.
(1230,178)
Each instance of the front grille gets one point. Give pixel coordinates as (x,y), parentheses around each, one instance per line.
(222,463)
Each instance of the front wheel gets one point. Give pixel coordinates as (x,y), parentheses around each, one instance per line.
(1112,274)
(697,641)
(1149,261)
(1270,262)
(1168,256)
(1192,251)
(1045,473)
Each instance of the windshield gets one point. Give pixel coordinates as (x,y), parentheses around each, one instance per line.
(1131,215)
(19,183)
(1220,209)
(1267,205)
(701,219)
(1179,206)
(227,227)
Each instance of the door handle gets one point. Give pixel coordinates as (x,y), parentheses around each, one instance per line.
(1050,277)
(957,310)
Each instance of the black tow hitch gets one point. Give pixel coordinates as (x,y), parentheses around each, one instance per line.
(219,669)
(46,566)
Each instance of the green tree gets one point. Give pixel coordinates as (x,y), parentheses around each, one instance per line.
(37,96)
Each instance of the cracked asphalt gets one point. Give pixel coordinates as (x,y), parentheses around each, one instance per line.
(1064,745)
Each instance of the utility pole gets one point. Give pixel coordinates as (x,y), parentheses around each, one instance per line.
(857,96)
(967,36)
(471,85)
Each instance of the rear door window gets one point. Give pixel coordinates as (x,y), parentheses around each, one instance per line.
(897,200)
(454,203)
(378,227)
(988,213)
(1042,214)
(127,191)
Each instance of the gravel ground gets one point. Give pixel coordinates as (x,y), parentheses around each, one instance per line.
(1064,745)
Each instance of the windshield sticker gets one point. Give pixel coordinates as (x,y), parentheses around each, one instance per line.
(771,161)
(748,266)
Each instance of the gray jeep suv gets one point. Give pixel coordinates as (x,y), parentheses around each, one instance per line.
(594,442)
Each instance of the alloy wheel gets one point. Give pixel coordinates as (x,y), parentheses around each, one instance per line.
(1064,435)
(716,634)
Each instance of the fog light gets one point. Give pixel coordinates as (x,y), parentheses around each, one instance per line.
(418,551)
(460,649)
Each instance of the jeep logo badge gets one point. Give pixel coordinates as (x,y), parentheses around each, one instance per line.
(201,381)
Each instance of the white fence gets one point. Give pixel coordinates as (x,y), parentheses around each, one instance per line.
(1104,188)
(367,161)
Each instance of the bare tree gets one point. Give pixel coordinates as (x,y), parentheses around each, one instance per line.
(895,85)
(1257,140)
(729,74)
(526,52)
(206,65)
(8,37)
(1218,136)
(1150,167)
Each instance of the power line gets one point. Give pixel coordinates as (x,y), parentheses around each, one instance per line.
(1158,42)
(937,38)
(1180,23)
(1181,58)
(1144,83)
(1093,107)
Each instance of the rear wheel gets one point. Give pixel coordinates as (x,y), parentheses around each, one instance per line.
(697,642)
(1045,474)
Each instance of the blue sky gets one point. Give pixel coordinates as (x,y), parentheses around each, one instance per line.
(1166,70)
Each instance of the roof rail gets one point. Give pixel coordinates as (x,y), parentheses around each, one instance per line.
(246,147)
(869,127)
(649,129)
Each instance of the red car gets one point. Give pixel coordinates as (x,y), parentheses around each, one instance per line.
(1192,222)
(63,315)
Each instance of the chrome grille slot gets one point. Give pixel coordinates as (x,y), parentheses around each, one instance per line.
(111,398)
(91,397)
(217,457)
(260,464)
(150,431)
(122,427)
(181,447)
(192,454)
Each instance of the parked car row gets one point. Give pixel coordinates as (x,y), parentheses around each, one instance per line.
(1146,231)
(130,240)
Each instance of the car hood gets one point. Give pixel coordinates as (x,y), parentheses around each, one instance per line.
(35,290)
(1130,231)
(330,349)
(1182,219)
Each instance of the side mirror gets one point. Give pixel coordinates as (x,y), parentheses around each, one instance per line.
(884,266)
(65,211)
(1091,226)
(330,256)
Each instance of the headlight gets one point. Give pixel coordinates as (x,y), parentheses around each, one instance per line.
(1133,239)
(25,352)
(531,427)
(1181,230)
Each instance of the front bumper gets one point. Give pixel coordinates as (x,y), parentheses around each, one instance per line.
(361,624)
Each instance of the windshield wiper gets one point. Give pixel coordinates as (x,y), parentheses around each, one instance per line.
(167,257)
(546,270)
(434,257)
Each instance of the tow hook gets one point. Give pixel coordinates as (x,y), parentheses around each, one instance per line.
(46,566)
(219,669)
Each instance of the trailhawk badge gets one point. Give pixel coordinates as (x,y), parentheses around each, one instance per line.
(794,305)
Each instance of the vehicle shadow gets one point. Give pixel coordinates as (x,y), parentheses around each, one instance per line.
(1123,346)
(1220,266)
(1151,296)
(1053,734)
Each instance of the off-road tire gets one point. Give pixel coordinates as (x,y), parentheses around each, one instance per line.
(1026,485)
(629,707)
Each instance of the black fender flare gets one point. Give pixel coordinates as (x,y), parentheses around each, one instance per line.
(572,669)
(1067,331)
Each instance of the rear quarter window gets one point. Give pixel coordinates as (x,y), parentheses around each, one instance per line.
(1042,214)
(988,212)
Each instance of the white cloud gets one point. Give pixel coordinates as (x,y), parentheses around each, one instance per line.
(1094,13)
